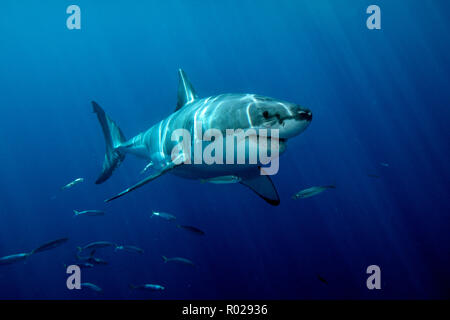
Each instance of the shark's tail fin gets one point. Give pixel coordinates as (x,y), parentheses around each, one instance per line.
(113,138)
(165,258)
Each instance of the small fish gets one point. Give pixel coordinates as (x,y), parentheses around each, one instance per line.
(71,184)
(178,260)
(50,245)
(222,180)
(322,279)
(91,286)
(373,175)
(85,265)
(148,166)
(84,258)
(163,215)
(14,258)
(151,287)
(384,164)
(309,192)
(91,259)
(129,249)
(91,213)
(95,260)
(192,229)
(81,265)
(96,245)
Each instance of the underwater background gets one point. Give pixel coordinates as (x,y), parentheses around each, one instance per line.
(380,133)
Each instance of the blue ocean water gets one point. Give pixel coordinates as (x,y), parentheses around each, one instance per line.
(377,96)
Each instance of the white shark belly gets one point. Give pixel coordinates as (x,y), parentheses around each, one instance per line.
(205,171)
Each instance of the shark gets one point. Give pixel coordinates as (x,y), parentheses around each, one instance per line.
(249,113)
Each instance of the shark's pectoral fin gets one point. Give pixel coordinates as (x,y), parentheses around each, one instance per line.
(263,186)
(152,177)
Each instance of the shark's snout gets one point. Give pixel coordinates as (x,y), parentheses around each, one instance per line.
(304,114)
(295,122)
(301,113)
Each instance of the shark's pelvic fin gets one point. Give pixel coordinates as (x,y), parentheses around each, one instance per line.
(186,92)
(263,186)
(153,176)
(113,138)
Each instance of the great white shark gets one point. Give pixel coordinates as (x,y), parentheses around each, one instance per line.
(221,112)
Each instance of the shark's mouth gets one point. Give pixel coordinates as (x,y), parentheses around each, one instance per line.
(272,140)
(299,116)
(268,138)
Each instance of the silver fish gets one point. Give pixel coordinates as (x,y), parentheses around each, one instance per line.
(163,215)
(50,245)
(192,229)
(85,265)
(178,260)
(129,249)
(222,180)
(152,287)
(306,193)
(322,279)
(84,258)
(91,286)
(96,245)
(81,265)
(14,258)
(91,259)
(71,184)
(91,213)
(95,260)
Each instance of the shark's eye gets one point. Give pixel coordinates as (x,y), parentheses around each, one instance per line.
(266,114)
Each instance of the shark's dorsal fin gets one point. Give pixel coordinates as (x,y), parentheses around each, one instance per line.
(186,92)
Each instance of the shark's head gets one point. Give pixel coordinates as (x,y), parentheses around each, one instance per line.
(288,118)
